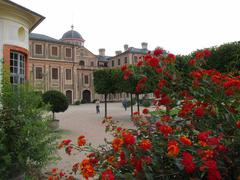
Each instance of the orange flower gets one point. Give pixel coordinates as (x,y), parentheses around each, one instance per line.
(87,169)
(110,159)
(202,143)
(81,141)
(64,143)
(185,140)
(116,144)
(145,144)
(173,149)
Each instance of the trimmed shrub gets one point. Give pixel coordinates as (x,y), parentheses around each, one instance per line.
(78,102)
(58,101)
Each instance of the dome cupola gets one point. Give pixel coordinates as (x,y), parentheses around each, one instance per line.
(73,37)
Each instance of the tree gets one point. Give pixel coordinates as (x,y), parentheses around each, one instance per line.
(104,83)
(57,100)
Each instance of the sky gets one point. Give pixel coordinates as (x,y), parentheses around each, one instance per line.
(179,26)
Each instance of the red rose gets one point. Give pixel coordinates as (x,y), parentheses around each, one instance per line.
(145,111)
(199,112)
(238,124)
(107,175)
(158,52)
(128,138)
(187,162)
(145,144)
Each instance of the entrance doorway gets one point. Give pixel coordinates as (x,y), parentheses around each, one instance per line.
(86,96)
(69,96)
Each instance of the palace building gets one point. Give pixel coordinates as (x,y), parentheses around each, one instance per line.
(63,64)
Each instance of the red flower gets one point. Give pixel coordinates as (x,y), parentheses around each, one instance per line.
(185,140)
(126,74)
(166,130)
(145,111)
(199,112)
(207,53)
(122,160)
(162,83)
(192,62)
(128,138)
(213,173)
(64,143)
(187,162)
(143,80)
(68,150)
(140,63)
(145,144)
(158,52)
(154,62)
(147,159)
(199,55)
(238,124)
(116,144)
(173,149)
(171,56)
(202,136)
(124,68)
(157,93)
(107,175)
(159,70)
(229,92)
(81,141)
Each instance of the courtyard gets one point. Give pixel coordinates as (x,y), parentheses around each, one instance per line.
(82,120)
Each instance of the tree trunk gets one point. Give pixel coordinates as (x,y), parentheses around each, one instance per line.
(105,99)
(138,103)
(131,104)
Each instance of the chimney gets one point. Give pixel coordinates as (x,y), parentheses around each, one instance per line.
(118,52)
(125,47)
(102,52)
(144,45)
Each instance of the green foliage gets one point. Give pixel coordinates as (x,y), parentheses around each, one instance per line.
(225,58)
(57,100)
(146,102)
(25,138)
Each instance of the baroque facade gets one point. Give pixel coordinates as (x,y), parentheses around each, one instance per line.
(63,64)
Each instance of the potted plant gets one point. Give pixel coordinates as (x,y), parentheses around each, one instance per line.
(58,103)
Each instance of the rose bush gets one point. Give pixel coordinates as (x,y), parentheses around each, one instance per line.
(193,133)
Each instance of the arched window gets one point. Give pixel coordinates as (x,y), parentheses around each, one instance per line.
(82,63)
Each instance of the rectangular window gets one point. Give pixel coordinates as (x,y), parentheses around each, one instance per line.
(55,73)
(17,67)
(86,79)
(38,73)
(68,52)
(68,74)
(38,49)
(112,63)
(92,63)
(125,60)
(119,62)
(54,51)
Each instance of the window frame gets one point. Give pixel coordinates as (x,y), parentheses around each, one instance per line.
(67,73)
(52,46)
(35,49)
(67,48)
(36,77)
(86,77)
(17,64)
(53,74)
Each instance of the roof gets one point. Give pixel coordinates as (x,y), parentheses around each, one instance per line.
(72,35)
(42,37)
(37,17)
(132,50)
(103,58)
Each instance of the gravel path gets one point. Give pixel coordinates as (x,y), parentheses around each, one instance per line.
(83,120)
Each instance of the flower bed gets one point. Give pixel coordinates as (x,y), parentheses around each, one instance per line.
(195,135)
